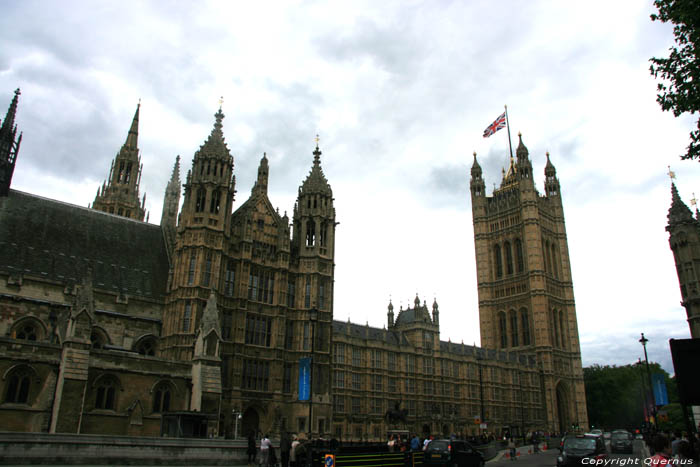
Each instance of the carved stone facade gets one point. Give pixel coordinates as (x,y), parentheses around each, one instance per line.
(108,322)
(684,238)
(526,297)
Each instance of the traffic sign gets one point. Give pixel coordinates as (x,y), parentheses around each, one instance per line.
(329,460)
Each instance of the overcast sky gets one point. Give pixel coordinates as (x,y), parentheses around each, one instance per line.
(400,93)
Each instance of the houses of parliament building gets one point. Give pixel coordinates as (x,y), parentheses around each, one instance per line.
(224,318)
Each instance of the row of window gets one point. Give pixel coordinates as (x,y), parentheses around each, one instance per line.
(514,328)
(261,283)
(503,255)
(22,387)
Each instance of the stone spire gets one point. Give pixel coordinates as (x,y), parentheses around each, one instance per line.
(171,204)
(551,183)
(436,312)
(523,160)
(120,192)
(679,212)
(316,181)
(477,184)
(9,146)
(263,171)
(390,314)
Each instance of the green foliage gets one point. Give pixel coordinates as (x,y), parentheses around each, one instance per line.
(673,419)
(615,397)
(679,89)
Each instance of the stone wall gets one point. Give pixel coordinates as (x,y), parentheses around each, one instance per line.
(63,449)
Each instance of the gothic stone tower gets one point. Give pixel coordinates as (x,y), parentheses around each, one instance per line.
(526,296)
(120,193)
(684,239)
(9,146)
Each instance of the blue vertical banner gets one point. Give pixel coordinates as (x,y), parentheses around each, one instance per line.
(658,382)
(304,378)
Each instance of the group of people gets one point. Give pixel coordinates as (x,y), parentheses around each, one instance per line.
(411,443)
(668,449)
(291,451)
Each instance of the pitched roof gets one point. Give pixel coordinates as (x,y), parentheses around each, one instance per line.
(61,241)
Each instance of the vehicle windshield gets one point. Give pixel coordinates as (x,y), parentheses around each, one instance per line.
(621,435)
(438,446)
(579,443)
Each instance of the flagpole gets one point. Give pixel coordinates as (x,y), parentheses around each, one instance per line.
(510,145)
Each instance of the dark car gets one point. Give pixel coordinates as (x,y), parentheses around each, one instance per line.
(576,448)
(452,452)
(621,441)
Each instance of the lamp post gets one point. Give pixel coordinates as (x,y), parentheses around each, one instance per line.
(313,317)
(236,416)
(642,388)
(644,341)
(481,391)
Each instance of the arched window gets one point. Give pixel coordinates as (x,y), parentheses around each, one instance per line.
(562,328)
(106,394)
(525,323)
(509,258)
(215,202)
(200,200)
(555,329)
(310,233)
(147,346)
(27,331)
(514,328)
(497,260)
(548,258)
(98,339)
(520,260)
(555,263)
(324,233)
(161,398)
(18,386)
(502,329)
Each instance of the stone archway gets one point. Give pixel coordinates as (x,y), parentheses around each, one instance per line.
(563,407)
(250,422)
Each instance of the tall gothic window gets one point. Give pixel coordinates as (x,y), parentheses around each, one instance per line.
(562,328)
(127,177)
(215,202)
(310,233)
(261,284)
(322,294)
(291,293)
(514,328)
(187,317)
(509,258)
(556,263)
(18,386)
(502,329)
(161,398)
(201,200)
(206,274)
(258,330)
(555,328)
(229,278)
(105,397)
(525,322)
(498,261)
(520,261)
(307,293)
(256,375)
(190,272)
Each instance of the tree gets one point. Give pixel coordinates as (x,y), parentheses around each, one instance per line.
(679,89)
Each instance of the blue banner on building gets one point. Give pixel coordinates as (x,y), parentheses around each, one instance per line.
(304,378)
(658,381)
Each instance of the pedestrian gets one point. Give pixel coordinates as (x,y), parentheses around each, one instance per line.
(285,447)
(662,449)
(427,442)
(513,452)
(251,448)
(265,445)
(391,443)
(415,443)
(293,451)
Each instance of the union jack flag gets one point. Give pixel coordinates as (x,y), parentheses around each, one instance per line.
(499,123)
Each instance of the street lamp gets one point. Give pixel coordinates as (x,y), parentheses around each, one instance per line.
(643,389)
(313,317)
(481,390)
(644,341)
(236,416)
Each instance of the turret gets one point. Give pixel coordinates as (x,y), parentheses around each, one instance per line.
(120,193)
(263,172)
(9,146)
(477,185)
(551,184)
(523,161)
(436,312)
(390,315)
(171,204)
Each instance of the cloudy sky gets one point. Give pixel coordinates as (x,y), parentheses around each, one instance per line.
(400,93)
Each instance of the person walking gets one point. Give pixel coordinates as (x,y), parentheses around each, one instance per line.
(415,443)
(513,451)
(285,447)
(265,445)
(293,451)
(251,448)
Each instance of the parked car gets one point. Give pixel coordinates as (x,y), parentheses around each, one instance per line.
(452,452)
(596,431)
(576,448)
(621,441)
